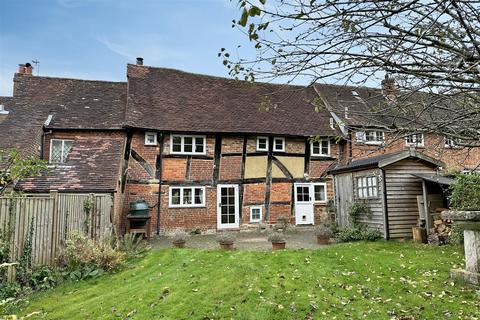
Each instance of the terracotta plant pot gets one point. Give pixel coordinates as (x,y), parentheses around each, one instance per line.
(278,245)
(227,245)
(323,240)
(179,244)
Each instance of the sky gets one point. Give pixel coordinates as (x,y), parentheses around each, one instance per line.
(95,39)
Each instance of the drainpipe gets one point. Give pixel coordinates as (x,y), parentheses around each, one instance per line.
(159,176)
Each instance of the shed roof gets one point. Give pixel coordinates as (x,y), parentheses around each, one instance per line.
(384,160)
(435,178)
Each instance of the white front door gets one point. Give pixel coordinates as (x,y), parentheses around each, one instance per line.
(227,206)
(303,203)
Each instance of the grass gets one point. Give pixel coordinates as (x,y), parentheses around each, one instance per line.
(382,280)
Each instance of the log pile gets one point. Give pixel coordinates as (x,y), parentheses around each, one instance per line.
(441,232)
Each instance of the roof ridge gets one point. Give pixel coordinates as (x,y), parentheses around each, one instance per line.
(218,77)
(21,76)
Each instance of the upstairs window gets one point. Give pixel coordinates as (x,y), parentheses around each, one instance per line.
(414,140)
(451,142)
(374,137)
(185,144)
(367,187)
(59,150)
(262,144)
(278,144)
(320,148)
(150,139)
(184,197)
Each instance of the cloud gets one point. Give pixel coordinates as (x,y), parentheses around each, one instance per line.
(149,46)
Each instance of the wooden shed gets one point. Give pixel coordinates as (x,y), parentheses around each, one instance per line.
(391,186)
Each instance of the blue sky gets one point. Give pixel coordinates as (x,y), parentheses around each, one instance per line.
(95,39)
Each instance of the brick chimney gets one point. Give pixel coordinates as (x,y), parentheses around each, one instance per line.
(21,68)
(28,69)
(139,61)
(388,88)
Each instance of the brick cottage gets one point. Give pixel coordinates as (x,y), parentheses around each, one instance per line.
(204,152)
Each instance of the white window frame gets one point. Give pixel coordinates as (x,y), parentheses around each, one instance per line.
(363,187)
(324,193)
(155,138)
(453,144)
(258,144)
(275,144)
(379,137)
(183,136)
(415,139)
(251,214)
(62,160)
(181,205)
(320,154)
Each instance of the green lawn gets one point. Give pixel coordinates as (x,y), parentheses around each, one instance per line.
(383,280)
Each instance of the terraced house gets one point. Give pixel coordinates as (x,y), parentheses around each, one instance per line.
(204,152)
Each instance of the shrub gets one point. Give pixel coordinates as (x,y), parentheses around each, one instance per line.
(358,209)
(44,277)
(276,237)
(456,236)
(180,236)
(84,258)
(358,234)
(225,237)
(466,192)
(130,244)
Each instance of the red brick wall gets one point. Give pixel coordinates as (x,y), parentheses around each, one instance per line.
(277,210)
(318,168)
(253,193)
(174,169)
(281,192)
(133,192)
(149,153)
(230,167)
(232,144)
(201,169)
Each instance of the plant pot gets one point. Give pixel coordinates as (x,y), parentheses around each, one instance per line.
(278,245)
(179,244)
(323,240)
(227,245)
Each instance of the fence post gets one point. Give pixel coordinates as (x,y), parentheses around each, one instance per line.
(54,235)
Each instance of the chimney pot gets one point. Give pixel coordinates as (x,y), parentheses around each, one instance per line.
(21,68)
(28,68)
(140,61)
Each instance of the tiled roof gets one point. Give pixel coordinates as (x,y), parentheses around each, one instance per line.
(172,100)
(92,165)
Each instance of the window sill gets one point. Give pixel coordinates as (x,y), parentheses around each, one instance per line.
(186,206)
(188,153)
(374,143)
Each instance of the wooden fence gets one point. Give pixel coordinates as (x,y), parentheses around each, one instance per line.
(54,217)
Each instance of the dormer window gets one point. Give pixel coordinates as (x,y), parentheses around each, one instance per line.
(150,139)
(320,148)
(414,140)
(262,144)
(59,150)
(278,144)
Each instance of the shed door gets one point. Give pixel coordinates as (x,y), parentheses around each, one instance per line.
(344,197)
(303,203)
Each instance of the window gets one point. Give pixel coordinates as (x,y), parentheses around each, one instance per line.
(414,140)
(451,142)
(374,137)
(278,144)
(255,214)
(320,148)
(187,144)
(320,192)
(59,150)
(262,144)
(187,197)
(367,187)
(150,139)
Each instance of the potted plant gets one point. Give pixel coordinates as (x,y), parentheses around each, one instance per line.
(278,240)
(179,238)
(225,240)
(323,233)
